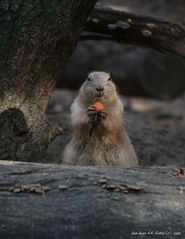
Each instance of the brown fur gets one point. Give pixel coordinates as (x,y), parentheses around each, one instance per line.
(108,142)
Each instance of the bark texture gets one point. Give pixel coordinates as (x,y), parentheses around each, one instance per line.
(54,201)
(37,37)
(106,23)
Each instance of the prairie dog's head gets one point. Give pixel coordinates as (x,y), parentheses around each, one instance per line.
(98,87)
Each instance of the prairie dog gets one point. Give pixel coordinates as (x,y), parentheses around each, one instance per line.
(99,138)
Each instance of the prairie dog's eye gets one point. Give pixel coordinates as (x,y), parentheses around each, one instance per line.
(88,79)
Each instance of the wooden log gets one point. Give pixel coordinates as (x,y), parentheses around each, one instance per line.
(58,201)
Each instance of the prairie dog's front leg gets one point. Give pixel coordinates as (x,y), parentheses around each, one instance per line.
(79,116)
(114,119)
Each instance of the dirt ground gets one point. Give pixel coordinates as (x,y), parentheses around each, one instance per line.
(157,129)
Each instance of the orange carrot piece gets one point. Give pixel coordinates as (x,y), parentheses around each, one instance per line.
(98,106)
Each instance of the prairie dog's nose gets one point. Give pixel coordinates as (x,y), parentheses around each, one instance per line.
(99,89)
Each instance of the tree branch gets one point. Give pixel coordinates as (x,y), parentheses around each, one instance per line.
(106,23)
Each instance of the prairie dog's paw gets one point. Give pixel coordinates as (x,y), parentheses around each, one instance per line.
(101,115)
(92,113)
(95,114)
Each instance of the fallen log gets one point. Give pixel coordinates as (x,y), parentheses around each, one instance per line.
(58,201)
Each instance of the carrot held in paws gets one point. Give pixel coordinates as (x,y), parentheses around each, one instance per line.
(98,106)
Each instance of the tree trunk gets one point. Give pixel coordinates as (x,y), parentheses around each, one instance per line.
(37,37)
(54,201)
